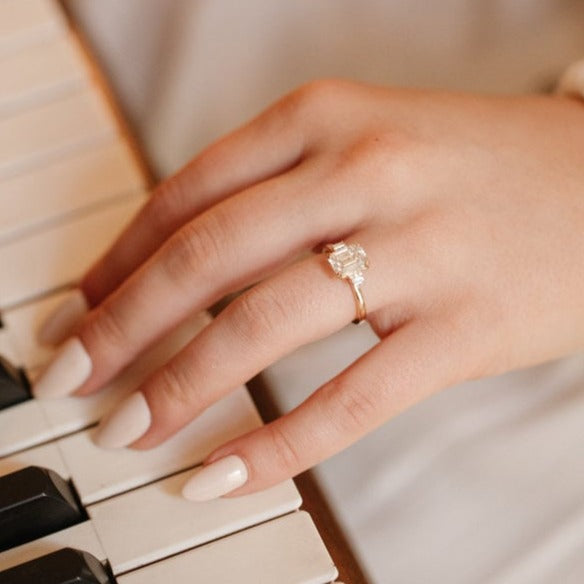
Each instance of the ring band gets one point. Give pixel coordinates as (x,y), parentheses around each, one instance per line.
(348,263)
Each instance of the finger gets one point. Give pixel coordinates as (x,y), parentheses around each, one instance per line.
(403,369)
(218,252)
(263,148)
(303,303)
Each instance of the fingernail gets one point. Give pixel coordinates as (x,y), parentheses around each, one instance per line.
(69,370)
(61,322)
(216,479)
(124,424)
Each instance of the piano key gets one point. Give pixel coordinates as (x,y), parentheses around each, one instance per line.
(80,180)
(81,536)
(55,257)
(39,73)
(26,22)
(153,522)
(54,129)
(46,455)
(287,550)
(66,566)
(34,502)
(21,325)
(22,426)
(14,387)
(99,473)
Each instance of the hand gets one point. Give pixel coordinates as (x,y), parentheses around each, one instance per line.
(471,210)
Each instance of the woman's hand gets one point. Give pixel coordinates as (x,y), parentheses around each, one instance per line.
(471,211)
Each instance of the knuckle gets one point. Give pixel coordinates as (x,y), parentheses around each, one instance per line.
(393,151)
(392,156)
(366,153)
(313,99)
(175,384)
(107,326)
(356,408)
(167,203)
(260,315)
(194,249)
(285,450)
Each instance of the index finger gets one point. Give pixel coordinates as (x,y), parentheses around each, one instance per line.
(259,150)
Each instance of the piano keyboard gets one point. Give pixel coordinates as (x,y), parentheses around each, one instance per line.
(69,181)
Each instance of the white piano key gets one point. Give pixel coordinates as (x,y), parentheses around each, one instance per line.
(99,473)
(46,455)
(22,324)
(154,522)
(286,550)
(74,413)
(57,256)
(22,426)
(81,536)
(43,133)
(39,73)
(82,179)
(26,22)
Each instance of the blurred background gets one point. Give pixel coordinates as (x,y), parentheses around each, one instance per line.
(484,482)
(188,71)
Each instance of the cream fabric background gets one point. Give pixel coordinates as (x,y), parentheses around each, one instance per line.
(483,483)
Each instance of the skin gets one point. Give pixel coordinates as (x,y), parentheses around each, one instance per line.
(471,210)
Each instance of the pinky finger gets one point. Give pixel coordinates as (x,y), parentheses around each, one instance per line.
(400,371)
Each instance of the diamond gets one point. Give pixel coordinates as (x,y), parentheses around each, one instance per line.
(348,261)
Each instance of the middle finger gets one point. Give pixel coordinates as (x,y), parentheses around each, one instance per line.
(220,251)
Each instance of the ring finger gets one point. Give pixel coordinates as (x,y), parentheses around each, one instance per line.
(303,303)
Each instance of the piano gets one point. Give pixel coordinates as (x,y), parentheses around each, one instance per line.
(70,178)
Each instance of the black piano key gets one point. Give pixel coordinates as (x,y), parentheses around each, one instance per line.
(66,566)
(34,502)
(14,387)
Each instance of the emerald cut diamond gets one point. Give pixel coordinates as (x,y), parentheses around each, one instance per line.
(348,261)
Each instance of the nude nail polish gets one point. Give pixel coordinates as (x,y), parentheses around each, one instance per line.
(125,423)
(216,479)
(70,368)
(62,321)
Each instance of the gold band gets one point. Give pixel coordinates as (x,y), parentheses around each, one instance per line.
(348,263)
(359,302)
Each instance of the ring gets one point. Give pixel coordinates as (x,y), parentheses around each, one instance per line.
(348,263)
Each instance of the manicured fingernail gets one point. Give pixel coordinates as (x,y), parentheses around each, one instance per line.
(68,371)
(61,322)
(216,479)
(125,424)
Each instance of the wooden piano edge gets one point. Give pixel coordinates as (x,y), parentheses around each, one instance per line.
(110,99)
(314,501)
